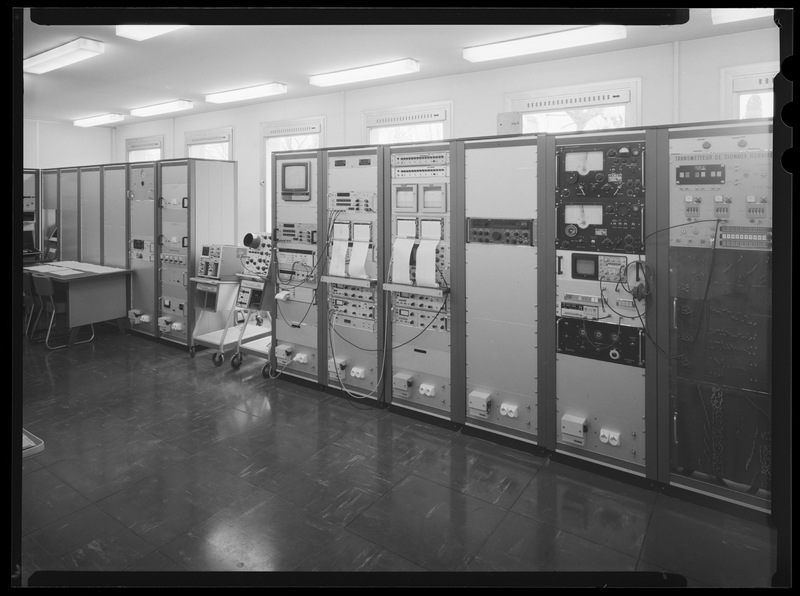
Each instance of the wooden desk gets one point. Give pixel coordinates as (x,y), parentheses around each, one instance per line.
(94,293)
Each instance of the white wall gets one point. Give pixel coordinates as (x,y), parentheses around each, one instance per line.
(56,145)
(700,64)
(680,84)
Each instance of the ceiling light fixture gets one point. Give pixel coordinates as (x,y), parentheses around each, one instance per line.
(99,120)
(163,108)
(731,15)
(545,43)
(69,53)
(142,32)
(367,73)
(248,93)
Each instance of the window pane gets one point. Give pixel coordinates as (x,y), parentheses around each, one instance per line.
(210,150)
(756,105)
(410,133)
(144,155)
(558,121)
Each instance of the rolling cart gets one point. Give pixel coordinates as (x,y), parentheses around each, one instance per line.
(254,336)
(216,315)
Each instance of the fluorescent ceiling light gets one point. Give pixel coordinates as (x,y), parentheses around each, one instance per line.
(248,93)
(69,53)
(545,43)
(98,120)
(731,15)
(142,32)
(163,108)
(367,73)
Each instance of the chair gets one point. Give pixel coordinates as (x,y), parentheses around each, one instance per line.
(31,301)
(55,306)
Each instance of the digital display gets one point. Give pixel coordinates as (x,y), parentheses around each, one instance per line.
(295,177)
(583,162)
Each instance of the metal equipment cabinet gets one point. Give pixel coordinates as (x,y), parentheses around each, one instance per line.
(196,206)
(141,189)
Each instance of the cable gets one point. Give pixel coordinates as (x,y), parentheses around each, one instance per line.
(280,372)
(322,255)
(704,300)
(604,301)
(690,223)
(379,383)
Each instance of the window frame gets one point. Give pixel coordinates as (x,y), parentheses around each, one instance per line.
(209,137)
(282,128)
(730,75)
(143,143)
(441,111)
(585,95)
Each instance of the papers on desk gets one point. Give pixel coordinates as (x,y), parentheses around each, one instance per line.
(67,268)
(43,268)
(54,270)
(87,267)
(64,272)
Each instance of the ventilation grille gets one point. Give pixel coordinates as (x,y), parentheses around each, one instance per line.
(576,100)
(407,118)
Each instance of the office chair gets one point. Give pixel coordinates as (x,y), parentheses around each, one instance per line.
(31,300)
(53,305)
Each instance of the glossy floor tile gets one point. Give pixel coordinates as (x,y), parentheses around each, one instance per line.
(159,463)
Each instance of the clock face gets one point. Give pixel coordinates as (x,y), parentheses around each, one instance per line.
(583,162)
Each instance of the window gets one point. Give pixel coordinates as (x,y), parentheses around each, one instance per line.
(144,149)
(416,124)
(614,104)
(747,91)
(286,136)
(210,144)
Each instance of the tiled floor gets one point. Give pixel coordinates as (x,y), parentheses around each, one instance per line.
(156,461)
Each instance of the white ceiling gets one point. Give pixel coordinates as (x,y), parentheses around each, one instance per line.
(206,58)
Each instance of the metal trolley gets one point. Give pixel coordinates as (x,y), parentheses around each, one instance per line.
(216,315)
(254,336)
